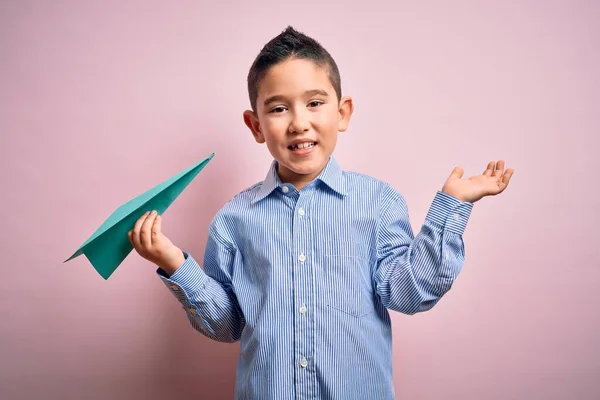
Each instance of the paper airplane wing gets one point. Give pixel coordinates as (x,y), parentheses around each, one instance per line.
(109,245)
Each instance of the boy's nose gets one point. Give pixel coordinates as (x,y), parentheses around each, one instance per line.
(299,123)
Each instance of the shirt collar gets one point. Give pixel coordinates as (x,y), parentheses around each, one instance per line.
(332,176)
(270,183)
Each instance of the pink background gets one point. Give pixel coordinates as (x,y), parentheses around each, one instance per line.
(99,101)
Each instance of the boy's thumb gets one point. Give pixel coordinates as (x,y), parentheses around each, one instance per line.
(457,173)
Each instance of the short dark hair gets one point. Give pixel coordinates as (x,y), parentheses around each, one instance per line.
(291,44)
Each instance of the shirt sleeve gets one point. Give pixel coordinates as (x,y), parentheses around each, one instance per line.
(413,273)
(207,295)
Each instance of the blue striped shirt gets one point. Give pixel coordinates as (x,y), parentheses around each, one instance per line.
(304,280)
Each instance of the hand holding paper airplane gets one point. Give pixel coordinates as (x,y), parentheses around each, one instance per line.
(147,239)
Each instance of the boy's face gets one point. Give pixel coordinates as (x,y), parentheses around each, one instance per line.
(298,116)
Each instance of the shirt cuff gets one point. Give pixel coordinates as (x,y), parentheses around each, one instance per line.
(449,213)
(189,278)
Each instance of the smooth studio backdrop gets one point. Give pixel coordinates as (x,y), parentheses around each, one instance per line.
(100,101)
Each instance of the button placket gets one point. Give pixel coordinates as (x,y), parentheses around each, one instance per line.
(303,290)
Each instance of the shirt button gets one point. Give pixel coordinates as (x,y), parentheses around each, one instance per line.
(301,211)
(174,287)
(303,309)
(191,309)
(302,257)
(446,255)
(303,363)
(285,189)
(456,217)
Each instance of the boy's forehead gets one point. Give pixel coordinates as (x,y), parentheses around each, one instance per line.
(294,77)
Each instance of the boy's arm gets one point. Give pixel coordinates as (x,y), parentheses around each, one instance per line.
(413,273)
(206,295)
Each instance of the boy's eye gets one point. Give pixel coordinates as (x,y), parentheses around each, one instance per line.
(315,103)
(278,109)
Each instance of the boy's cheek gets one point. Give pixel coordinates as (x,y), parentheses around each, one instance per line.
(275,127)
(325,118)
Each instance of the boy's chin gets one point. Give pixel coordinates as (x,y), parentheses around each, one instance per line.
(306,167)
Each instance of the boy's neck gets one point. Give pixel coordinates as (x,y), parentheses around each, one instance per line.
(298,180)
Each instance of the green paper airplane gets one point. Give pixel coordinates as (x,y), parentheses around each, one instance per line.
(109,245)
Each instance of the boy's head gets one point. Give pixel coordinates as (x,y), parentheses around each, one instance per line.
(295,92)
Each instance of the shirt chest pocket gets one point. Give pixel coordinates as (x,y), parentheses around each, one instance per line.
(347,277)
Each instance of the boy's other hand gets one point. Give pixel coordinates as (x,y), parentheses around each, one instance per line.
(150,243)
(493,181)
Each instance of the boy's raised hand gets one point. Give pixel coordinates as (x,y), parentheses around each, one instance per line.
(493,181)
(150,243)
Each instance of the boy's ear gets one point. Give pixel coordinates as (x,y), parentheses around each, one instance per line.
(252,123)
(345,111)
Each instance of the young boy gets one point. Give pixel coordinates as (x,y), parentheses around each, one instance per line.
(303,267)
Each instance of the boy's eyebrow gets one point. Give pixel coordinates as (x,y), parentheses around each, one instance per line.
(278,97)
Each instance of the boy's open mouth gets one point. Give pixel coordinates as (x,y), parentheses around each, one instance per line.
(302,146)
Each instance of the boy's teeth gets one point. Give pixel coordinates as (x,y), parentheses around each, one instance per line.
(303,145)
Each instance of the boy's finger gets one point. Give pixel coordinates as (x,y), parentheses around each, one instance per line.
(135,234)
(489,169)
(499,169)
(138,224)
(507,175)
(456,173)
(135,239)
(146,230)
(156,229)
